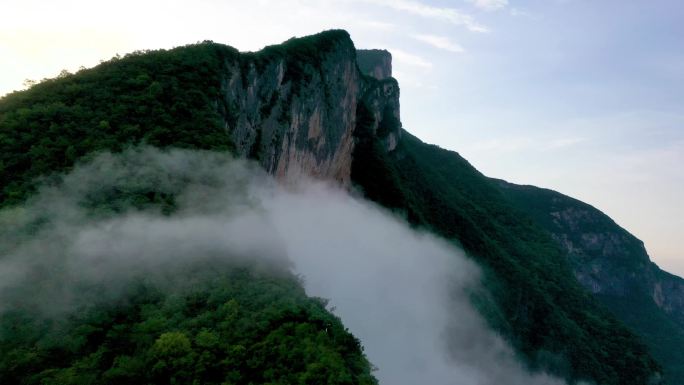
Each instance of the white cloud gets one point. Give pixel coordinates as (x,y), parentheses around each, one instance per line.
(441,42)
(450,15)
(404,293)
(404,58)
(489,5)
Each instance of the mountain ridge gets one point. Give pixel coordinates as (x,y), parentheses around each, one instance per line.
(613,265)
(535,304)
(307,107)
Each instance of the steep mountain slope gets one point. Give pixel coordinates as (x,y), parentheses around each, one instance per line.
(225,324)
(537,302)
(613,265)
(305,107)
(290,106)
(222,323)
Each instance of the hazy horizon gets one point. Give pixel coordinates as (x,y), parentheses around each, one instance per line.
(581,97)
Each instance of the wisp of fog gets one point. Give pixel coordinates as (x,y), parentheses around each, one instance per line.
(404,293)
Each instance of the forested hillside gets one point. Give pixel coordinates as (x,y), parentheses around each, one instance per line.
(224,323)
(613,265)
(536,300)
(160,98)
(183,98)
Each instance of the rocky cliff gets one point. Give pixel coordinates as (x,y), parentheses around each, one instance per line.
(375,62)
(294,106)
(315,105)
(614,266)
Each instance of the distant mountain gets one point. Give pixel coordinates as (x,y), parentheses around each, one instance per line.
(613,265)
(319,107)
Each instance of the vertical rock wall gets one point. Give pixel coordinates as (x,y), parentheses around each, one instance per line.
(293,107)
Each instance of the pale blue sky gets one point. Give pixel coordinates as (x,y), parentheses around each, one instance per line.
(582,96)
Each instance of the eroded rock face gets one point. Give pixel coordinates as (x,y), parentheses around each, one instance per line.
(375,62)
(293,108)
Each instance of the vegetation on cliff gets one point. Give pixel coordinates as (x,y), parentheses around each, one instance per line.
(161,98)
(225,324)
(627,280)
(172,98)
(535,302)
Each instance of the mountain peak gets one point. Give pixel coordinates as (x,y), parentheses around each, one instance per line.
(316,106)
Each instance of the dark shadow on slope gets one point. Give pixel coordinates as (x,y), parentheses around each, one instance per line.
(537,303)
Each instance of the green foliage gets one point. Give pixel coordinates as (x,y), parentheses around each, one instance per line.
(222,324)
(536,302)
(160,98)
(635,307)
(228,325)
(303,57)
(663,336)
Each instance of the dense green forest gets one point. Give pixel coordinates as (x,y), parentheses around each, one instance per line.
(171,98)
(535,300)
(160,98)
(208,316)
(636,307)
(222,324)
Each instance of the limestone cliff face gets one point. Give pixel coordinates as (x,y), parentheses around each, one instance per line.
(605,256)
(293,107)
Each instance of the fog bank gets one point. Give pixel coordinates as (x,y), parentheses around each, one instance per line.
(402,292)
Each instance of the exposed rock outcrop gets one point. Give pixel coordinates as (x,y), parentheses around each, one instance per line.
(613,265)
(317,106)
(375,62)
(293,107)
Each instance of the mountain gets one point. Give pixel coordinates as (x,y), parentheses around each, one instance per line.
(613,265)
(536,300)
(222,322)
(317,106)
(291,107)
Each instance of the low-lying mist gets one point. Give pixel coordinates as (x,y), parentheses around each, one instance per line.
(402,292)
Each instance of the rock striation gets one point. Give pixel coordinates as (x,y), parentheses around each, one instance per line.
(293,107)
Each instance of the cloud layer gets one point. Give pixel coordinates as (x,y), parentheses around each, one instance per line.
(404,293)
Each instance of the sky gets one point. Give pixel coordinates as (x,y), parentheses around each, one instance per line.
(581,96)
